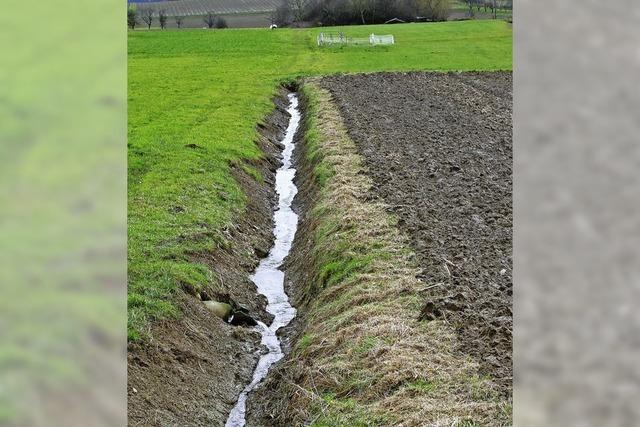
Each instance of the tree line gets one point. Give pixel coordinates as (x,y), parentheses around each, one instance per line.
(489,6)
(148,16)
(347,12)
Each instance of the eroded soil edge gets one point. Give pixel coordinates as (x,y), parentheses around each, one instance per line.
(192,370)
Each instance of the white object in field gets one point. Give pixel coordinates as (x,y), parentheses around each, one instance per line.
(341,39)
(273,26)
(387,39)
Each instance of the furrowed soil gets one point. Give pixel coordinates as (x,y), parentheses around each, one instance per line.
(439,150)
(191,371)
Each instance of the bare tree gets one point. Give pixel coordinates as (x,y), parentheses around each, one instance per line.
(470,4)
(434,10)
(298,7)
(210,19)
(178,20)
(221,23)
(360,7)
(147,16)
(162,18)
(283,14)
(132,17)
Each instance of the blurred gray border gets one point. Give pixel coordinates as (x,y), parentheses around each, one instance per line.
(577,221)
(63,207)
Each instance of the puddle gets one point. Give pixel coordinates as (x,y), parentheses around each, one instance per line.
(268,277)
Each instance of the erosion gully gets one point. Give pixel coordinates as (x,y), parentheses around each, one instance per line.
(268,277)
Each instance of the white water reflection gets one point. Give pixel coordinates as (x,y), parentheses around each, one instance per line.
(268,277)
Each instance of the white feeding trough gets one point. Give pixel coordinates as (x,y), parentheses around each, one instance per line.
(328,39)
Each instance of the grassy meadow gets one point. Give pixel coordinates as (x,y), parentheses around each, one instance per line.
(210,88)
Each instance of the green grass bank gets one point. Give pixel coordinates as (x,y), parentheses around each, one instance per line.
(195,98)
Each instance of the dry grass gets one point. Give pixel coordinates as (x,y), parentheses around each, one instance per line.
(363,358)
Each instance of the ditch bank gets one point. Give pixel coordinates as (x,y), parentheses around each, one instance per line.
(191,370)
(360,355)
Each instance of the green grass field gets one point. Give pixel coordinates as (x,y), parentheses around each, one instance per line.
(211,88)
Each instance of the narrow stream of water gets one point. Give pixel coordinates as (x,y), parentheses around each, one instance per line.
(268,277)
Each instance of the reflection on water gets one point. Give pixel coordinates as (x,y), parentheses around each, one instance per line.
(268,277)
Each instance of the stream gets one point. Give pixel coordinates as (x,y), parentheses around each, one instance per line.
(268,277)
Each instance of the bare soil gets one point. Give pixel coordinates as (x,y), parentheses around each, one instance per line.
(192,370)
(439,149)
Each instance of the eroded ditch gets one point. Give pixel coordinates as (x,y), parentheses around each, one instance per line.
(268,276)
(343,356)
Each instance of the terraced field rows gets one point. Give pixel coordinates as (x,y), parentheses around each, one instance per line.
(201,7)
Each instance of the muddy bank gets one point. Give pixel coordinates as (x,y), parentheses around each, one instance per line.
(439,150)
(193,369)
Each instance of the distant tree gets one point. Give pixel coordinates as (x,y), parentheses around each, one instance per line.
(132,17)
(162,18)
(147,16)
(221,22)
(178,20)
(360,7)
(348,12)
(283,15)
(434,10)
(387,9)
(299,8)
(470,5)
(210,19)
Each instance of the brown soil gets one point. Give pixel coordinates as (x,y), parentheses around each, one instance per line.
(192,370)
(439,149)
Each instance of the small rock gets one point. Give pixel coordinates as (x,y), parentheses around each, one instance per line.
(220,309)
(135,390)
(503,271)
(242,319)
(260,253)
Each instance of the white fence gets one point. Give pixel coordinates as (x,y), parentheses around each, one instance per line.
(388,39)
(341,39)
